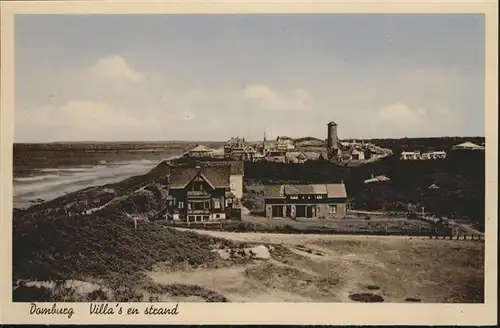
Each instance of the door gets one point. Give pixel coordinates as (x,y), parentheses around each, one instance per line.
(309,211)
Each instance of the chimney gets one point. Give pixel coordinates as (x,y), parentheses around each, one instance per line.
(372,176)
(341,182)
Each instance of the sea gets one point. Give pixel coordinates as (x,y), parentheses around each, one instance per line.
(42,175)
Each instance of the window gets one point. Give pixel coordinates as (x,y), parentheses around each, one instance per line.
(294,197)
(190,218)
(332,209)
(319,196)
(216,203)
(217,216)
(181,204)
(206,204)
(189,205)
(205,218)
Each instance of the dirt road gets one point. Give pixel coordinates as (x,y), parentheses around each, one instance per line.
(335,268)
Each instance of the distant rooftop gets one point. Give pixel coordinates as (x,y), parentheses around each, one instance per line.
(200,148)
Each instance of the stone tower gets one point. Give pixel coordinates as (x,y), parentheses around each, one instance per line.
(333,140)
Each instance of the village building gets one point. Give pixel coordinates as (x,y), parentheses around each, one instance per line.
(378,178)
(198,194)
(312,155)
(434,187)
(284,144)
(234,148)
(236,173)
(414,155)
(358,154)
(218,153)
(305,200)
(409,155)
(468,146)
(248,154)
(259,157)
(295,157)
(276,158)
(239,149)
(199,151)
(440,154)
(375,153)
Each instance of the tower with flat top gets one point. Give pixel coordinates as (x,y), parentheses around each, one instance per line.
(332,140)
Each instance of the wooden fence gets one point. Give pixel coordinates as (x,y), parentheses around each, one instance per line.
(240,226)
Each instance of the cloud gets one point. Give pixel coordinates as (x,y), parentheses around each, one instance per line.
(116,67)
(290,100)
(401,120)
(73,121)
(402,115)
(111,99)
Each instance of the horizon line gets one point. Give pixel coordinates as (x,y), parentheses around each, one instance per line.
(223,141)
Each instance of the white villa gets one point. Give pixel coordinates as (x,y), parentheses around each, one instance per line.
(414,155)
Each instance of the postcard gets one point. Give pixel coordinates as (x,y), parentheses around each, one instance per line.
(238,163)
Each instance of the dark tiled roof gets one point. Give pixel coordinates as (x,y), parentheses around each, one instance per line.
(181,175)
(215,176)
(236,167)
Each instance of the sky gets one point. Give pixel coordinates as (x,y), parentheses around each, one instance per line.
(212,77)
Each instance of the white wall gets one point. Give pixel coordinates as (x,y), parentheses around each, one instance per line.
(236,183)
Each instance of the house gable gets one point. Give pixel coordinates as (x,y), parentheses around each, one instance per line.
(199,180)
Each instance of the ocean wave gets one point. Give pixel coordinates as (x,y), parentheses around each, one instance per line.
(82,179)
(137,162)
(69,169)
(36,178)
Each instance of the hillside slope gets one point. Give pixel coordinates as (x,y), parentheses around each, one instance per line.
(89,236)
